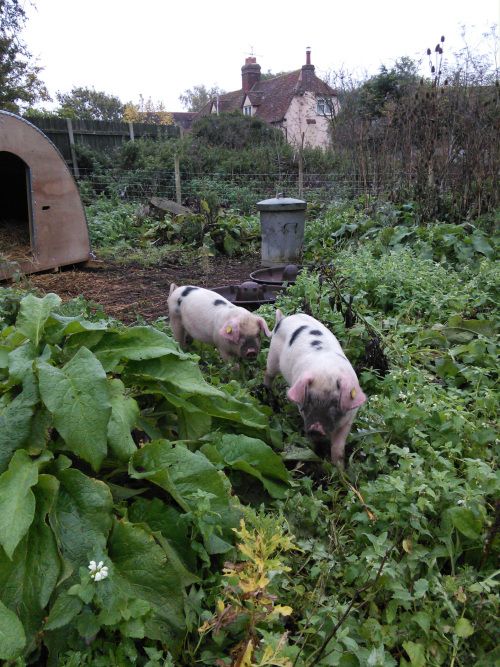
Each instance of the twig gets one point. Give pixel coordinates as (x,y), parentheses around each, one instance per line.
(319,651)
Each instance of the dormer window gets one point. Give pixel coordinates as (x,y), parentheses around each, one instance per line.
(247,110)
(324,106)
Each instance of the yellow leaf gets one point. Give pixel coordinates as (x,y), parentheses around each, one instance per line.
(408,546)
(284,610)
(220,606)
(246,658)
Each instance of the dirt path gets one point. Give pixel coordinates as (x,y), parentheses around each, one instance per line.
(129,291)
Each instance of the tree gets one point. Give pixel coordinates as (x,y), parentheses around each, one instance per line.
(89,104)
(20,85)
(147,111)
(234,130)
(387,85)
(194,99)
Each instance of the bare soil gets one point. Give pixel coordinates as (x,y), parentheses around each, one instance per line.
(14,241)
(131,291)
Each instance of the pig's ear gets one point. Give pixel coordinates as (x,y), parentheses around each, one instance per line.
(351,395)
(297,392)
(230,331)
(263,326)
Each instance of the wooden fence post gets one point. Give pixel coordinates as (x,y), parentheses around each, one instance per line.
(301,167)
(76,171)
(131,131)
(177,168)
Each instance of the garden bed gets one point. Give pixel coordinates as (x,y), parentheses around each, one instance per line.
(131,291)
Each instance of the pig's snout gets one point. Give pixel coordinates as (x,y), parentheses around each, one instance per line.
(251,353)
(316,429)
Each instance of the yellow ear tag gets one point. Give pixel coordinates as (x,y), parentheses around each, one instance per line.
(229,329)
(353,393)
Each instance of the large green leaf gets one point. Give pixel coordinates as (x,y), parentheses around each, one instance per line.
(21,361)
(183,374)
(228,407)
(58,326)
(64,610)
(124,416)
(481,245)
(142,570)
(78,398)
(466,522)
(81,517)
(27,582)
(167,520)
(254,457)
(17,502)
(12,637)
(192,423)
(457,326)
(33,313)
(135,343)
(184,475)
(16,421)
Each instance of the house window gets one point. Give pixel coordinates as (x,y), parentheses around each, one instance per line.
(247,111)
(324,106)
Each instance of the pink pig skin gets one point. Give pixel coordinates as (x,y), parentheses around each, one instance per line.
(208,317)
(321,379)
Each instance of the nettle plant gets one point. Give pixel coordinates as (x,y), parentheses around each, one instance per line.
(116,458)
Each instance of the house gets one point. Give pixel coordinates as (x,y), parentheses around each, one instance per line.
(298,102)
(183,119)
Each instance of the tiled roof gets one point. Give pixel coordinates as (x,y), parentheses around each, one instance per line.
(183,118)
(271,96)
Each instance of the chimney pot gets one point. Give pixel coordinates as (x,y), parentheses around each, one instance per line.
(250,73)
(308,55)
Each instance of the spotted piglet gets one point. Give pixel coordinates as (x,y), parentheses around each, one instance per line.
(206,316)
(322,381)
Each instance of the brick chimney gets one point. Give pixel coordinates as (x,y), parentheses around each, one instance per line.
(250,73)
(307,72)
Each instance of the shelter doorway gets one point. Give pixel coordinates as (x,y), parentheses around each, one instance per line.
(15,208)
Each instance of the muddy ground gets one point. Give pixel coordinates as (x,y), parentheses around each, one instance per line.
(131,291)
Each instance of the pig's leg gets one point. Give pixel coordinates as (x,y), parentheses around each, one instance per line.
(226,356)
(338,438)
(180,334)
(273,366)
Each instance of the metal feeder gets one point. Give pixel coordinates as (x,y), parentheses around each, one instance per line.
(249,294)
(277,275)
(282,222)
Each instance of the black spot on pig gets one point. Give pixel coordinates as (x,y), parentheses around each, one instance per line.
(296,333)
(277,327)
(179,301)
(316,344)
(219,302)
(187,290)
(316,332)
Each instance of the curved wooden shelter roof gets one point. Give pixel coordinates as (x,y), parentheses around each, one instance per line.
(39,202)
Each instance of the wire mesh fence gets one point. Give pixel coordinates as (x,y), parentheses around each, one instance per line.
(235,188)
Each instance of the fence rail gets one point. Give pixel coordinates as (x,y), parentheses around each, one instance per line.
(244,189)
(96,134)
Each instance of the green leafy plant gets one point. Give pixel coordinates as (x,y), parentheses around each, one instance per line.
(93,417)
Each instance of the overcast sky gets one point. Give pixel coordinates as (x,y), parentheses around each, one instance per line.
(158,48)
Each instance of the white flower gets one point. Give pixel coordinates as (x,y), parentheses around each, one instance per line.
(460,502)
(98,571)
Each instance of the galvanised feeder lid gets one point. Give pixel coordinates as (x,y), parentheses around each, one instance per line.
(281,204)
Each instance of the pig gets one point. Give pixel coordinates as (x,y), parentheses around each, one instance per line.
(206,316)
(322,382)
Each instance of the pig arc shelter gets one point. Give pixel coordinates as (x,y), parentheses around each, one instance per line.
(42,221)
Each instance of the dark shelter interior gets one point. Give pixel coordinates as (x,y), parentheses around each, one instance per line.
(14,206)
